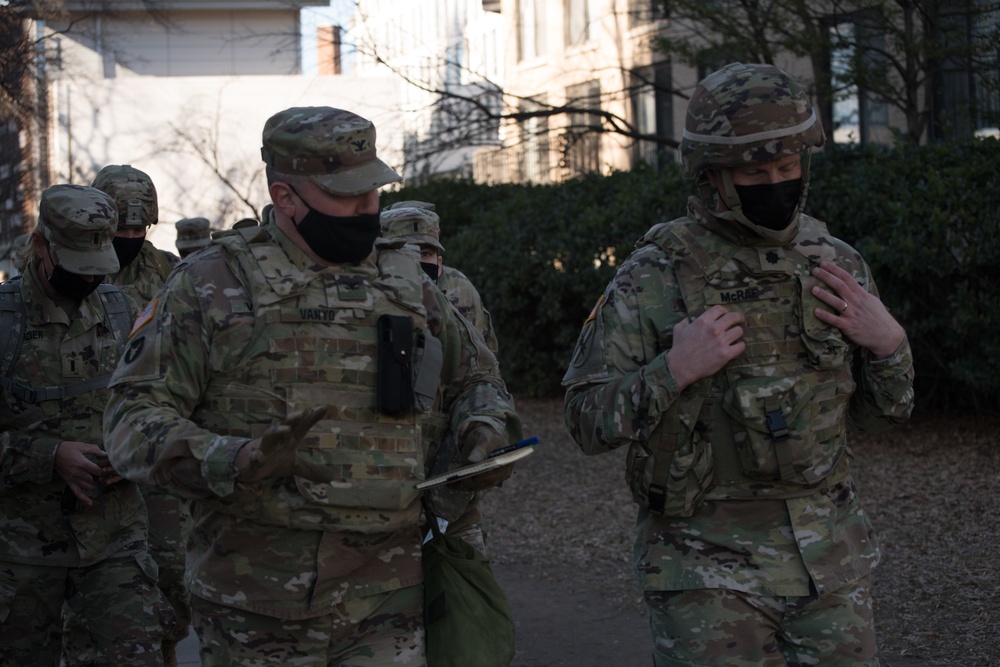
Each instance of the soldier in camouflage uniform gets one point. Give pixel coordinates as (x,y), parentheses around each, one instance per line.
(144,270)
(249,384)
(729,354)
(71,529)
(192,234)
(417,223)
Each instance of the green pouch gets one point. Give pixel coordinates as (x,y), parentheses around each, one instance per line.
(466,615)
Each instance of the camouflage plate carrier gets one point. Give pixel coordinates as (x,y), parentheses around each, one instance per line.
(771,424)
(316,340)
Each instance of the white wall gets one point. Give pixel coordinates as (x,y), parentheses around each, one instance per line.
(161,125)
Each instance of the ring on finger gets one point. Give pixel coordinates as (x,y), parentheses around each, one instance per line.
(844,309)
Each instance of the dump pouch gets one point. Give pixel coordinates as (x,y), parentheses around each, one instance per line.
(395,378)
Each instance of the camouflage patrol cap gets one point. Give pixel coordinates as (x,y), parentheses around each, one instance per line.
(411,203)
(134,194)
(79,223)
(333,147)
(747,113)
(193,233)
(412,224)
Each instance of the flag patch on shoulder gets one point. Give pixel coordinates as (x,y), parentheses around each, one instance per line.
(593,313)
(144,317)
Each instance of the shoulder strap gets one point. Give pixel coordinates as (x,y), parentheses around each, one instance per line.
(11,324)
(12,317)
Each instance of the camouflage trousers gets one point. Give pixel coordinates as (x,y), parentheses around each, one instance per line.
(169,525)
(376,631)
(733,629)
(116,600)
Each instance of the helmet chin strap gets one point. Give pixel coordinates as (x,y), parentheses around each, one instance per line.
(734,207)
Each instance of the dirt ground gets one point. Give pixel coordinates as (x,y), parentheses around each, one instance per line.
(560,535)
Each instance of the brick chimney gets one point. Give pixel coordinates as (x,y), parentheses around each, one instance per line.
(328,50)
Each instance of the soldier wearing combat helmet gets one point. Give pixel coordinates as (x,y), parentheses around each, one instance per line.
(144,270)
(728,354)
(271,382)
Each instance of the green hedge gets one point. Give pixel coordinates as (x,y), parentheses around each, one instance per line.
(925,218)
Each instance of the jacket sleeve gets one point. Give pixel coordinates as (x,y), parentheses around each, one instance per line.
(159,383)
(884,394)
(618,385)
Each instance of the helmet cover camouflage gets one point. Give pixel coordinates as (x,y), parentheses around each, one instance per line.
(745,113)
(193,233)
(333,147)
(134,193)
(80,223)
(412,224)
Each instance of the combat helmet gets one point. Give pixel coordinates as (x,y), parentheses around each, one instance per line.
(746,113)
(133,192)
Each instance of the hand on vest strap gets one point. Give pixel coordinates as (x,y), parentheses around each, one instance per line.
(275,454)
(477,445)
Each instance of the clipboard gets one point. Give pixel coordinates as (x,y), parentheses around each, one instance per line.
(472,469)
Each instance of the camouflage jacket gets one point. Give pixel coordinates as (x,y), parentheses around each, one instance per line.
(463,294)
(42,522)
(145,274)
(166,430)
(620,392)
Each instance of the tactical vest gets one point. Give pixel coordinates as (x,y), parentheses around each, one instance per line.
(12,319)
(313,341)
(772,423)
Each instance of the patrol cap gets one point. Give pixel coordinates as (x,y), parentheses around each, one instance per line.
(333,147)
(79,223)
(193,233)
(412,224)
(134,194)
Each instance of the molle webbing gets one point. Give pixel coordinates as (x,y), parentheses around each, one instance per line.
(12,323)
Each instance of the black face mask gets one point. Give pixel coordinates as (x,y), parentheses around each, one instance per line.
(73,285)
(338,239)
(431,269)
(127,249)
(771,205)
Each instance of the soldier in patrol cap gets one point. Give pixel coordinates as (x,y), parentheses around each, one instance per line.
(729,353)
(282,380)
(71,529)
(144,270)
(192,234)
(417,222)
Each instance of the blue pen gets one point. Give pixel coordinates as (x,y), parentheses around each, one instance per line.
(520,444)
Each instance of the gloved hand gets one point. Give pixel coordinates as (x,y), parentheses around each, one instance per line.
(275,454)
(476,446)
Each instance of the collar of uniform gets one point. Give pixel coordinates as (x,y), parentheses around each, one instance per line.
(42,309)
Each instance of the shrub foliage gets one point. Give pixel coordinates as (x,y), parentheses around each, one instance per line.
(925,219)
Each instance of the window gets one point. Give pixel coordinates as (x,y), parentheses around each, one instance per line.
(858,54)
(646,11)
(967,82)
(534,160)
(577,21)
(530,29)
(582,137)
(652,113)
